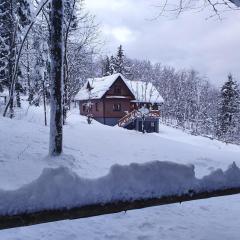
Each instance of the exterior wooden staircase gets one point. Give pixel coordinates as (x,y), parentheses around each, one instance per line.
(130,117)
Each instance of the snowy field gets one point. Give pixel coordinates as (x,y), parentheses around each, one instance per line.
(95,148)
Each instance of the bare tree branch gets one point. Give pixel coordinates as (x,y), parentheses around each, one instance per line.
(178,7)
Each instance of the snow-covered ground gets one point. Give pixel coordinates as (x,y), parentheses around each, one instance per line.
(95,148)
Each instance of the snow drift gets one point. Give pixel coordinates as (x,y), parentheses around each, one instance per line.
(62,188)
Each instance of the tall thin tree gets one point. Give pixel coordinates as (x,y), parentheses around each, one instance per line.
(56,74)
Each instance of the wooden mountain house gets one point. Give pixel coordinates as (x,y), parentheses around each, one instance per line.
(113,100)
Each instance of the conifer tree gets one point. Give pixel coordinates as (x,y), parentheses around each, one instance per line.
(15,15)
(7,44)
(112,67)
(106,71)
(115,64)
(121,64)
(228,115)
(119,60)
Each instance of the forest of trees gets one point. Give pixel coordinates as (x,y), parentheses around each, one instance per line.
(191,101)
(32,73)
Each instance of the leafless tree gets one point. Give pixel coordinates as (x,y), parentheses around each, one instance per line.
(80,51)
(176,7)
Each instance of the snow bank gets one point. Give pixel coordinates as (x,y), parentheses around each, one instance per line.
(220,179)
(62,188)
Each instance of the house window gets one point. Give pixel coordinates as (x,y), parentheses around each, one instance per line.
(117,107)
(96,106)
(117,89)
(84,108)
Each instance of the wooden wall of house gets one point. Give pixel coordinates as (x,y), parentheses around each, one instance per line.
(107,107)
(124,91)
(97,108)
(111,112)
(119,88)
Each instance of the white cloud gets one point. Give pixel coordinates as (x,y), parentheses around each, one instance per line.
(113,5)
(211,46)
(119,35)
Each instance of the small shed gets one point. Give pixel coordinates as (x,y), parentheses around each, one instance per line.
(4,96)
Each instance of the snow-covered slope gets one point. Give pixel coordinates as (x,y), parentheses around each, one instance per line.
(95,148)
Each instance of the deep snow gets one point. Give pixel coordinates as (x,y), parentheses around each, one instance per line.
(58,188)
(95,149)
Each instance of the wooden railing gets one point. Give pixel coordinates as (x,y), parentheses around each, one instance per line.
(154,114)
(136,114)
(27,219)
(128,118)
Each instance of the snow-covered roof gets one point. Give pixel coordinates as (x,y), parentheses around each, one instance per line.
(142,91)
(145,92)
(100,87)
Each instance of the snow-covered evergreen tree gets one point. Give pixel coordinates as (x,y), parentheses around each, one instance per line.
(7,41)
(15,15)
(106,70)
(112,65)
(4,41)
(121,64)
(116,64)
(228,116)
(119,60)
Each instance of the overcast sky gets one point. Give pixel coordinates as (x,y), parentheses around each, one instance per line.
(190,41)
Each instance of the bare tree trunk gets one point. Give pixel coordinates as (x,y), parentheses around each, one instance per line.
(56,74)
(28,70)
(65,66)
(44,103)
